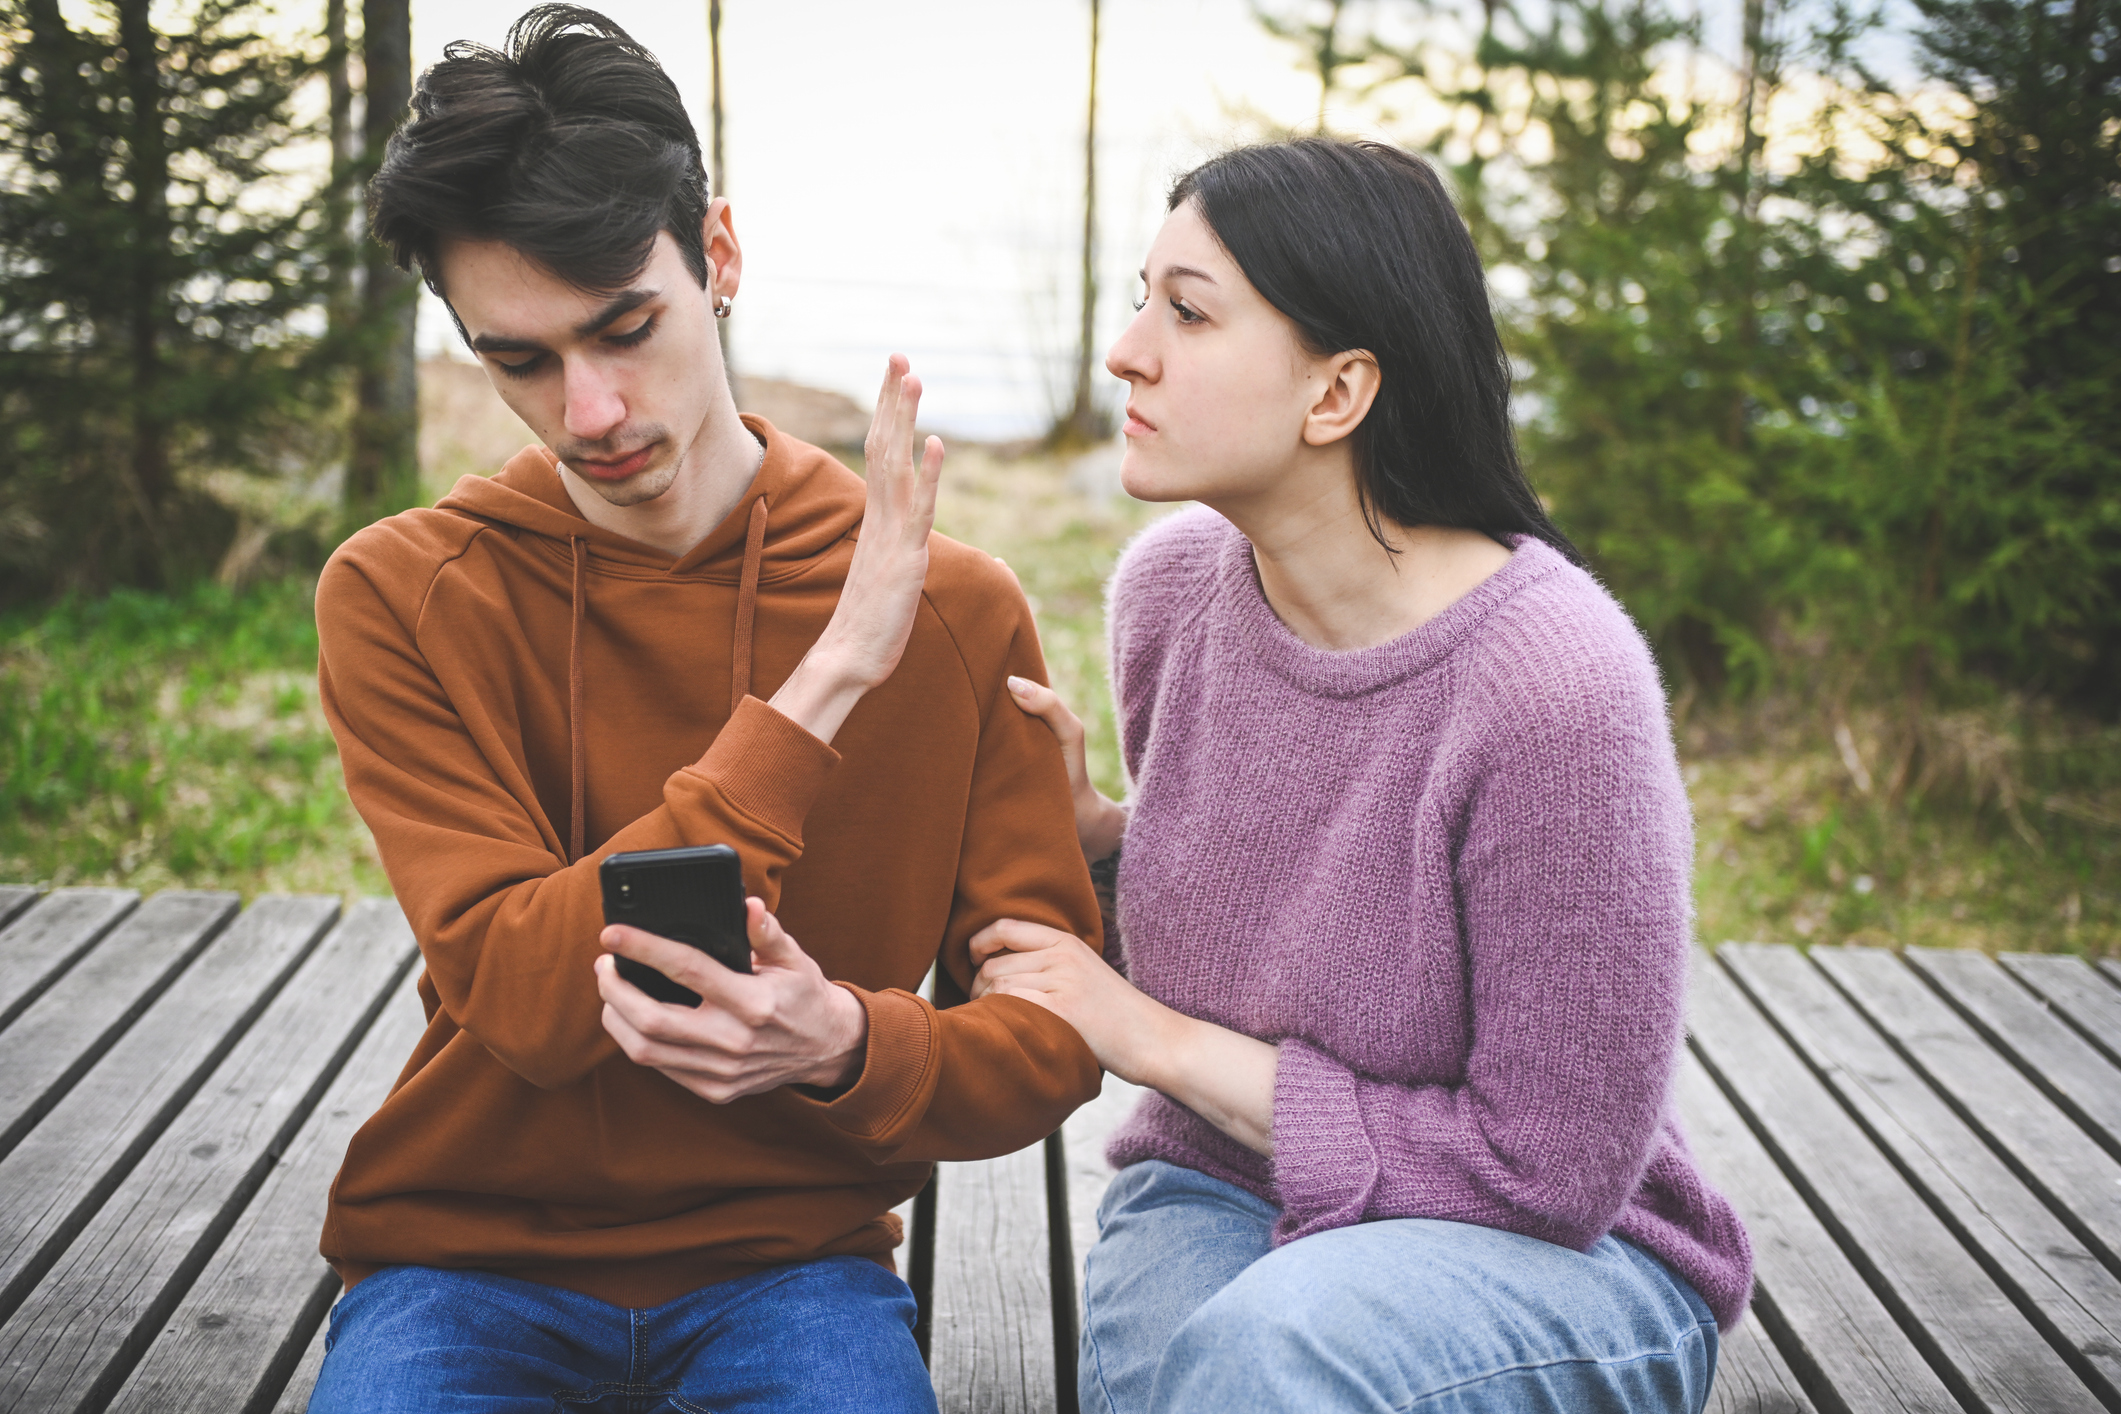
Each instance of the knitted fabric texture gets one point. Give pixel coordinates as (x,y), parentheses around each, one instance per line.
(1447,876)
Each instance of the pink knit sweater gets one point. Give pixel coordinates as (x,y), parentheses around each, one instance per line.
(1447,876)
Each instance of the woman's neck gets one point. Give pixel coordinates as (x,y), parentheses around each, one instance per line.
(1330,582)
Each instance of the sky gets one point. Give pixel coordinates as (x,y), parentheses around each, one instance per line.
(908,177)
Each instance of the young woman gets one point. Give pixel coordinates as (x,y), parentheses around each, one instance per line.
(1404,897)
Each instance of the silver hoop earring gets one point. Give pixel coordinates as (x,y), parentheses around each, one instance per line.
(721,310)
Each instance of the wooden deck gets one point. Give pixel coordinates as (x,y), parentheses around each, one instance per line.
(1927,1151)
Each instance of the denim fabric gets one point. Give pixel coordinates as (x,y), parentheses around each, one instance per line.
(1189,1307)
(827,1336)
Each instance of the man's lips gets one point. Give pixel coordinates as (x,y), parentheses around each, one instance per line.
(617,469)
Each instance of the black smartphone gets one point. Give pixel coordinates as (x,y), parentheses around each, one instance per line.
(693,896)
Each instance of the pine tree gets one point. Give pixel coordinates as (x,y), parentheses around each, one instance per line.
(158,277)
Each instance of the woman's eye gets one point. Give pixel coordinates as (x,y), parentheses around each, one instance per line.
(1140,304)
(1186,315)
(636,335)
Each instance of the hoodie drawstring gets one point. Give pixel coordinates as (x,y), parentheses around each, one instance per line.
(747,603)
(577,746)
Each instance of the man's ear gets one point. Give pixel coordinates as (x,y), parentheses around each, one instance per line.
(1348,387)
(725,258)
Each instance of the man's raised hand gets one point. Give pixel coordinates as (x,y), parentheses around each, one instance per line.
(862,643)
(784,1024)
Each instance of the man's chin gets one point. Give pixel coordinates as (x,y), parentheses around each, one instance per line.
(643,486)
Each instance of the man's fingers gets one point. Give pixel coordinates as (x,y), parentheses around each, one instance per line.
(685,965)
(770,942)
(909,407)
(930,480)
(887,397)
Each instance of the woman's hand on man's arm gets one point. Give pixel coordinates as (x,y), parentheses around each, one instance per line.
(1224,1076)
(1099,823)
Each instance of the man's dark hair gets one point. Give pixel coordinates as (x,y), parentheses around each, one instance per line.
(1359,245)
(570,144)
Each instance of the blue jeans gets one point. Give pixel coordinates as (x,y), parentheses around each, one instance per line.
(1188,1306)
(829,1336)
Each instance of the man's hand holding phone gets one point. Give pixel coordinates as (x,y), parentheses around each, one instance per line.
(784,1024)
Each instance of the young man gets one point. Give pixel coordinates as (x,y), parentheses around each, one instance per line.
(665,626)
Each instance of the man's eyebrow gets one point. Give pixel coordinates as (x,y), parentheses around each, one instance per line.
(618,308)
(494,343)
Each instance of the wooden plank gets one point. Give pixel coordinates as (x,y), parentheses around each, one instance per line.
(14,898)
(2044,1146)
(2079,995)
(1964,1324)
(991,1337)
(37,948)
(295,1398)
(2054,1279)
(2111,966)
(1753,1378)
(2051,1053)
(236,1338)
(85,1326)
(1822,1316)
(59,1036)
(80,1152)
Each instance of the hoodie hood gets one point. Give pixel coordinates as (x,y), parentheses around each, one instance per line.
(801,503)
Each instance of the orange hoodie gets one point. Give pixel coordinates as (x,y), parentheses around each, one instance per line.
(517,693)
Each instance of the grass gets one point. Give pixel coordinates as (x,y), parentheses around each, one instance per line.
(163,742)
(159,742)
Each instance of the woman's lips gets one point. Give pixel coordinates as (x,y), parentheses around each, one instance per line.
(1137,425)
(617,470)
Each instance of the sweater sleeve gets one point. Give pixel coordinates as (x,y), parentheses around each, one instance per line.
(507,926)
(986,1077)
(1573,880)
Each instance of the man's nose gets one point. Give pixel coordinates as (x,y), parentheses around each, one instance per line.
(595,407)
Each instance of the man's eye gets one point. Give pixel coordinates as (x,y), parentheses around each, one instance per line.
(636,335)
(520,370)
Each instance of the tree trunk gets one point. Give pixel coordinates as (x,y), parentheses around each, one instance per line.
(1086,423)
(1759,87)
(147,170)
(338,204)
(383,472)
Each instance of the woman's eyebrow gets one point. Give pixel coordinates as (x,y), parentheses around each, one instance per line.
(1177,272)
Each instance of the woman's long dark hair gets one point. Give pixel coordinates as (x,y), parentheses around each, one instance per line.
(1359,245)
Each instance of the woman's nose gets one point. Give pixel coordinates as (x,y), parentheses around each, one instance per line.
(1130,355)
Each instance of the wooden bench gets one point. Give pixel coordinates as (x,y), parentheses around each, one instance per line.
(1927,1151)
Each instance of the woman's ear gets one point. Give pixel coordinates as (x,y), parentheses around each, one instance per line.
(1348,385)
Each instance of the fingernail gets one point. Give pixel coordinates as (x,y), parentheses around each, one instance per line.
(1021,686)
